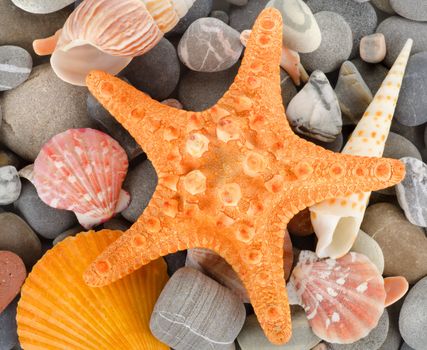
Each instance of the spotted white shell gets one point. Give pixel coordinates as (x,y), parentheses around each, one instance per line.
(343,298)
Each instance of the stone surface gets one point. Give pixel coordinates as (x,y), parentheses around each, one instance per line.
(315,111)
(199,91)
(111,126)
(404,245)
(46,221)
(68,233)
(17,237)
(334,146)
(117,223)
(10,185)
(415,10)
(412,193)
(243,17)
(413,316)
(156,72)
(15,66)
(42,6)
(195,312)
(413,134)
(12,276)
(221,15)
(406,347)
(373,74)
(7,157)
(411,109)
(252,337)
(366,245)
(200,8)
(336,43)
(210,45)
(175,261)
(301,32)
(393,340)
(396,31)
(353,94)
(8,328)
(383,5)
(140,182)
(372,341)
(362,18)
(39,109)
(372,48)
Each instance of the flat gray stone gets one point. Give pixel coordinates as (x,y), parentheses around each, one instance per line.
(383,5)
(413,134)
(8,327)
(393,340)
(336,43)
(221,15)
(210,45)
(415,10)
(413,316)
(373,74)
(195,312)
(243,17)
(15,66)
(200,8)
(10,185)
(42,6)
(315,111)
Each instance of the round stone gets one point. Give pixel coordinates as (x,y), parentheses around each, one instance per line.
(8,327)
(12,276)
(413,318)
(39,109)
(415,10)
(15,67)
(383,5)
(42,6)
(156,72)
(336,43)
(361,17)
(397,31)
(210,45)
(16,236)
(411,109)
(366,245)
(301,32)
(200,8)
(10,185)
(372,48)
(221,15)
(243,17)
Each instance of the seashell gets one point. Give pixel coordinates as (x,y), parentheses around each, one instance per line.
(107,34)
(343,298)
(395,288)
(216,267)
(337,221)
(58,311)
(27,172)
(82,170)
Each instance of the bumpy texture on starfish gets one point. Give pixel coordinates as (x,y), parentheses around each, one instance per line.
(230,177)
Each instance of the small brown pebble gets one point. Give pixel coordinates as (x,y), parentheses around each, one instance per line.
(300,225)
(12,276)
(373,48)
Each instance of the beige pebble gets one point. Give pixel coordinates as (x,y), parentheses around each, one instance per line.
(373,48)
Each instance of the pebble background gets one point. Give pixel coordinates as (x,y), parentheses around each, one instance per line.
(346,47)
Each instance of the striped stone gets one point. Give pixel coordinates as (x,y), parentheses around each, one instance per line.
(15,66)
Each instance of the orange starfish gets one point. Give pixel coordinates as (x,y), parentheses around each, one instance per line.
(230,177)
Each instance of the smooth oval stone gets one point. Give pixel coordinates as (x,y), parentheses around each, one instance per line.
(8,327)
(372,48)
(413,316)
(42,6)
(334,146)
(15,66)
(411,109)
(412,192)
(221,15)
(373,74)
(413,134)
(372,341)
(156,72)
(45,220)
(16,236)
(315,111)
(397,31)
(366,245)
(243,17)
(54,107)
(362,18)
(403,244)
(301,32)
(210,45)
(140,182)
(195,312)
(12,276)
(200,8)
(411,9)
(336,43)
(10,185)
(393,340)
(353,94)
(383,5)
(252,336)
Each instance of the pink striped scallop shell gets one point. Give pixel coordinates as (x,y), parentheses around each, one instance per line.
(343,298)
(82,170)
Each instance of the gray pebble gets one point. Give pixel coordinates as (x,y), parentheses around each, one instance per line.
(411,109)
(238,2)
(46,221)
(372,341)
(362,18)
(221,15)
(7,157)
(39,109)
(393,340)
(68,233)
(222,5)
(353,94)
(243,17)
(10,185)
(315,111)
(412,191)
(199,91)
(196,312)
(415,10)
(396,31)
(8,327)
(336,43)
(210,45)
(15,67)
(372,74)
(383,5)
(413,134)
(117,223)
(156,72)
(141,182)
(406,347)
(42,6)
(334,146)
(111,126)
(17,237)
(200,8)
(413,316)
